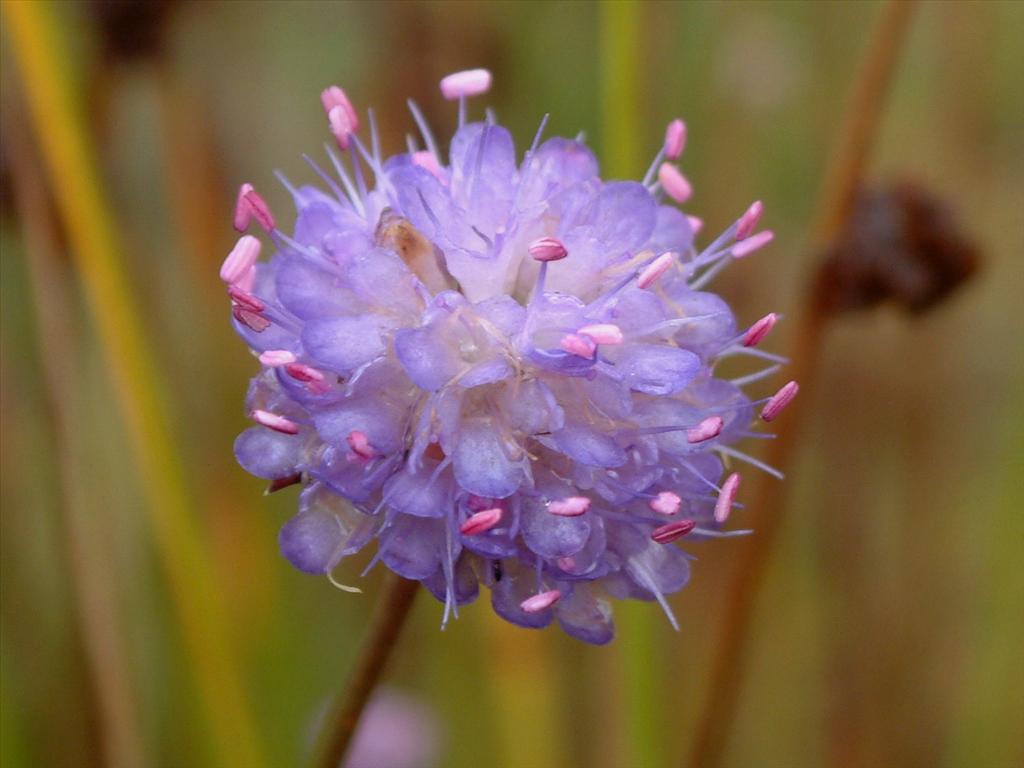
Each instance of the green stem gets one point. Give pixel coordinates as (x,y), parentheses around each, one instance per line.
(74,179)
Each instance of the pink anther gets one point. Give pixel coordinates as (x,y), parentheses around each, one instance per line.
(779,400)
(671,531)
(481,522)
(665,503)
(726,496)
(540,602)
(707,429)
(675,139)
(674,183)
(572,506)
(548,249)
(759,330)
(470,82)
(602,333)
(275,422)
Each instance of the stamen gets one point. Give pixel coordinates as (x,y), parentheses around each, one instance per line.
(723,504)
(674,183)
(341,126)
(258,209)
(602,333)
(748,459)
(696,223)
(251,320)
(779,400)
(675,139)
(748,221)
(335,97)
(245,300)
(275,358)
(709,428)
(243,214)
(540,132)
(311,377)
(275,422)
(280,483)
(572,506)
(470,82)
(649,274)
(581,346)
(245,253)
(764,373)
(421,123)
(428,161)
(481,522)
(750,244)
(665,503)
(541,602)
(548,249)
(759,330)
(669,532)
(360,444)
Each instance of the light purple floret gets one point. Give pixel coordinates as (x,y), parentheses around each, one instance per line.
(427,368)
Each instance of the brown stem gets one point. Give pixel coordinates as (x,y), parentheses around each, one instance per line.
(842,180)
(373,657)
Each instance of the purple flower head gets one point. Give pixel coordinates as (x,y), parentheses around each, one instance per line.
(500,371)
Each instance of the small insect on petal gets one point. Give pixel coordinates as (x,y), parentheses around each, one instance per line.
(245,253)
(541,602)
(649,274)
(709,428)
(665,503)
(759,330)
(675,139)
(748,245)
(674,183)
(581,346)
(779,400)
(470,82)
(726,496)
(274,358)
(572,506)
(481,522)
(548,249)
(748,221)
(671,531)
(275,422)
(602,333)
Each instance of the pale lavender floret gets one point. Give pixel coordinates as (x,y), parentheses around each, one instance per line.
(433,356)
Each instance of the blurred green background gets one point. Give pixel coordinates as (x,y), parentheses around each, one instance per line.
(890,623)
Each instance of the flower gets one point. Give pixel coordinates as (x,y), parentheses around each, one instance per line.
(502,372)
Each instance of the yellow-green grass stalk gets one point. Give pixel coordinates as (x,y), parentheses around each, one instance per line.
(62,133)
(638,632)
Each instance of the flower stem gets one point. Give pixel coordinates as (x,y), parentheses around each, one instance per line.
(841,183)
(387,623)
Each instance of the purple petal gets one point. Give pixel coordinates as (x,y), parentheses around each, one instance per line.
(481,463)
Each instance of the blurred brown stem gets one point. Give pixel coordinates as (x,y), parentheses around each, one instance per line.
(842,181)
(387,623)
